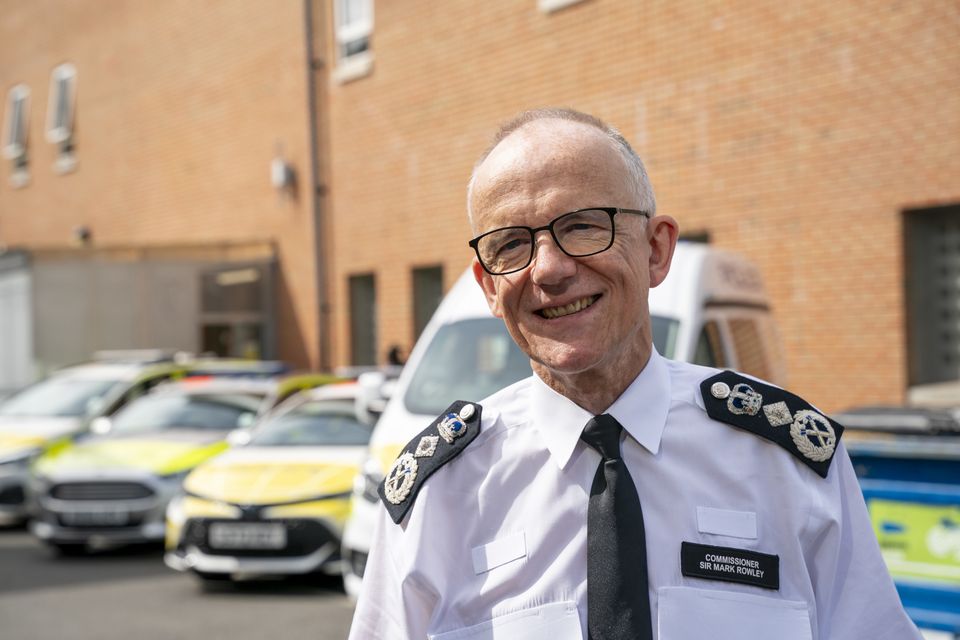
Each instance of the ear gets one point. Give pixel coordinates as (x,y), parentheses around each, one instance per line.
(662,232)
(485,280)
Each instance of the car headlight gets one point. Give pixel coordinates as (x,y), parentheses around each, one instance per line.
(38,484)
(366,483)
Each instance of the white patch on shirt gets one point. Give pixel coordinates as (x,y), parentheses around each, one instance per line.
(724,522)
(499,552)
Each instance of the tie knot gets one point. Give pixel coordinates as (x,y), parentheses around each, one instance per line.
(603,434)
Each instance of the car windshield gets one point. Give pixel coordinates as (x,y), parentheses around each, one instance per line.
(466,360)
(58,396)
(187,411)
(470,359)
(314,423)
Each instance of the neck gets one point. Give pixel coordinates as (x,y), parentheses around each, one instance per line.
(597,388)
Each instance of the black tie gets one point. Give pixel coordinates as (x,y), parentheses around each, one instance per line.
(618,605)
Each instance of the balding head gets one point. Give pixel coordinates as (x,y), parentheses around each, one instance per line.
(553,124)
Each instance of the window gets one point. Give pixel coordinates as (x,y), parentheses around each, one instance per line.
(235,310)
(353,21)
(63,82)
(427,294)
(363,320)
(15,133)
(710,347)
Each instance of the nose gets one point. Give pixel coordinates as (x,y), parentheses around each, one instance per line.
(550,264)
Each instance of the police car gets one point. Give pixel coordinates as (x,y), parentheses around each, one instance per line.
(61,405)
(112,486)
(276,504)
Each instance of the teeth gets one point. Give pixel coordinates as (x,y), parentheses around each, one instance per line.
(573,307)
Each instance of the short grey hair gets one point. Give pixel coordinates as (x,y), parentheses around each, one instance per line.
(633,163)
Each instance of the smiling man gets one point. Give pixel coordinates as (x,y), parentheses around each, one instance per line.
(615,494)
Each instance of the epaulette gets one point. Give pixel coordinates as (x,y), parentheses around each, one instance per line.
(774,414)
(436,445)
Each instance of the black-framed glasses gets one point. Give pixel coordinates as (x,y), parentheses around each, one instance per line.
(580,233)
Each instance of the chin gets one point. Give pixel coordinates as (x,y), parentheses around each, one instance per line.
(566,359)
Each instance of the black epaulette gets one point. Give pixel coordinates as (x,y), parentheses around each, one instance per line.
(774,414)
(436,445)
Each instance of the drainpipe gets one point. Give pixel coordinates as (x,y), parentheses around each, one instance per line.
(315,67)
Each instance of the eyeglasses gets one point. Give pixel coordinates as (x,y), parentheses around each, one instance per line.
(580,233)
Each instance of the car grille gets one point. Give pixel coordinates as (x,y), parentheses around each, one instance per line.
(95,522)
(100,491)
(303,538)
(11,495)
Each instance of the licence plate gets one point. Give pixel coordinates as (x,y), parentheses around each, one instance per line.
(93,518)
(230,535)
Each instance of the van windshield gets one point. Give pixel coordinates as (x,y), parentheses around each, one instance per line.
(471,359)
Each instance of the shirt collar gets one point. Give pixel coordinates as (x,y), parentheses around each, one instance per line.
(641,409)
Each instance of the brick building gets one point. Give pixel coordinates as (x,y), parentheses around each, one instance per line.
(820,139)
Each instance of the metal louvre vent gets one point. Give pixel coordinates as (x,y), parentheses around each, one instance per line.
(933,294)
(100,491)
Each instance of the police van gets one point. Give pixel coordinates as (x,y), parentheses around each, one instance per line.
(712,309)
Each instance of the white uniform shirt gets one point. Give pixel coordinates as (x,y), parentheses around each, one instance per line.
(495,545)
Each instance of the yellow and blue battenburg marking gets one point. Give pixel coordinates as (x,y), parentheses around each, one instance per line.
(774,414)
(438,444)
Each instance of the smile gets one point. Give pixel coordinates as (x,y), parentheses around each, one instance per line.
(552,313)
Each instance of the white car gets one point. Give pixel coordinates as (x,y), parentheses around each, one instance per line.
(711,310)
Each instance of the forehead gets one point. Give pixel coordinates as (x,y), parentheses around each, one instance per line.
(547,168)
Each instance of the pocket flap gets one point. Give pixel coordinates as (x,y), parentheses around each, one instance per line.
(499,552)
(725,522)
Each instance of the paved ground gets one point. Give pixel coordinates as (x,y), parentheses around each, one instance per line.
(131,594)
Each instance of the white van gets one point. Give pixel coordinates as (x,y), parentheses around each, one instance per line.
(712,310)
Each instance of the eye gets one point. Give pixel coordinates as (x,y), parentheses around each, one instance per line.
(509,241)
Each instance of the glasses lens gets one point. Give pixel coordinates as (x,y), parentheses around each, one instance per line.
(505,249)
(584,232)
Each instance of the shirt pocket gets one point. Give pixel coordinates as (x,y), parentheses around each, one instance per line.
(555,621)
(685,613)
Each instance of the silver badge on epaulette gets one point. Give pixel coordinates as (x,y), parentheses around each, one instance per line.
(426,447)
(744,400)
(467,411)
(399,481)
(720,390)
(814,435)
(451,427)
(778,414)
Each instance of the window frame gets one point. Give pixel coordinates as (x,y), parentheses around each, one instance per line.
(346,31)
(61,132)
(15,149)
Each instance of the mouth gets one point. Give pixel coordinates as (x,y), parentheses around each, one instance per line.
(552,313)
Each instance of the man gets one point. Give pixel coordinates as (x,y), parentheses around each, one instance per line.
(614,494)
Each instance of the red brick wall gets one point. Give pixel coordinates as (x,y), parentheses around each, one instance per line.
(793,133)
(180,108)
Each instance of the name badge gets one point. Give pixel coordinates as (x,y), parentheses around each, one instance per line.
(730,565)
